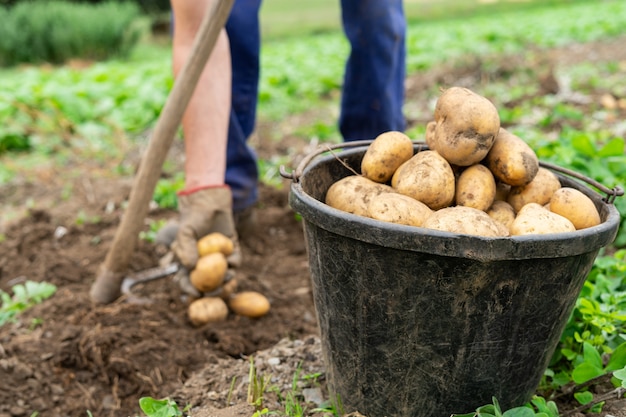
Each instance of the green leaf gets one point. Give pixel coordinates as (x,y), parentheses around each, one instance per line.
(591,355)
(519,412)
(159,408)
(583,144)
(583,397)
(614,147)
(585,372)
(621,375)
(618,358)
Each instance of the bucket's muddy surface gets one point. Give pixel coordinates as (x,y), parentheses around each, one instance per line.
(68,356)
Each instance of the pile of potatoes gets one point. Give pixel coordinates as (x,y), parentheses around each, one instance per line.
(475,178)
(211,277)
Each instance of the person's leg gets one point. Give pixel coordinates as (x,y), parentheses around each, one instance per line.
(245,42)
(205,122)
(373,89)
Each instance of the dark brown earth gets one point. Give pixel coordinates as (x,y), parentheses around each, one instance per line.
(67,356)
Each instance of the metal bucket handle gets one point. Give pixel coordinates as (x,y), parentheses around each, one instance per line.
(611,193)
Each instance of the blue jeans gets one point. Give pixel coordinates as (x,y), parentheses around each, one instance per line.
(373,88)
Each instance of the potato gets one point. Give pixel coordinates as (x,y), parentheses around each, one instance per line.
(209,272)
(502,212)
(539,190)
(465,220)
(475,187)
(398,208)
(385,154)
(533,218)
(430,134)
(575,206)
(249,304)
(426,177)
(511,160)
(207,310)
(467,126)
(352,194)
(215,242)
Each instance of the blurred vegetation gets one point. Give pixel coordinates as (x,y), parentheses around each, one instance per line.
(57,31)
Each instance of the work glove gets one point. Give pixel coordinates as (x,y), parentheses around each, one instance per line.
(202,211)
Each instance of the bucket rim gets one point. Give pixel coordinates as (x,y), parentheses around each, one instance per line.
(418,239)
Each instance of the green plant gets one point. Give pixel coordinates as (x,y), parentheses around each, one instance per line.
(257,385)
(24,296)
(166,189)
(161,408)
(538,407)
(154,227)
(56,31)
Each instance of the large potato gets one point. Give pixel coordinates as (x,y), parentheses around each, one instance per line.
(249,304)
(539,190)
(536,219)
(207,310)
(209,272)
(426,177)
(398,208)
(511,160)
(352,194)
(575,206)
(476,187)
(385,154)
(465,220)
(502,212)
(467,125)
(215,242)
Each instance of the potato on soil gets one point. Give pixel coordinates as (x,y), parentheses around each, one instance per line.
(426,177)
(249,304)
(209,272)
(511,160)
(352,194)
(465,220)
(207,310)
(467,126)
(533,218)
(502,212)
(475,187)
(539,190)
(398,208)
(385,154)
(215,242)
(575,206)
(228,289)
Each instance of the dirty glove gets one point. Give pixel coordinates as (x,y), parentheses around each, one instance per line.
(204,211)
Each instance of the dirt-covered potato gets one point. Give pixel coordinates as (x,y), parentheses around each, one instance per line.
(352,194)
(398,208)
(475,187)
(215,242)
(511,160)
(533,218)
(385,154)
(467,125)
(465,220)
(575,206)
(249,304)
(539,190)
(207,310)
(502,212)
(426,177)
(209,272)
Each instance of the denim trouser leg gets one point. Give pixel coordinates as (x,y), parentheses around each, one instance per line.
(373,89)
(245,42)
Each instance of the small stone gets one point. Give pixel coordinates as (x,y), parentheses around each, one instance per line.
(273,361)
(313,395)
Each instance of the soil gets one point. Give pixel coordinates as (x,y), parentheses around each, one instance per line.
(67,356)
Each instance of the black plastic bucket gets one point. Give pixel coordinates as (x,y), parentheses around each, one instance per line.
(422,323)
